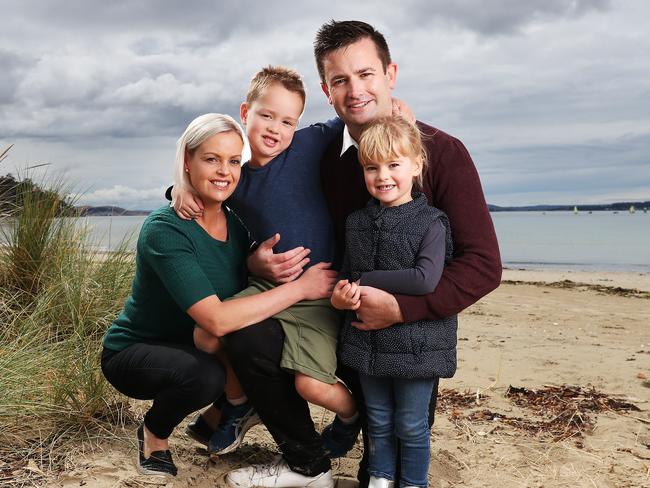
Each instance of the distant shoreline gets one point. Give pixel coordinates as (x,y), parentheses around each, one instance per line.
(641,207)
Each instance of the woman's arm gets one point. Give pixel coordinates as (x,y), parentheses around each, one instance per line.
(221,318)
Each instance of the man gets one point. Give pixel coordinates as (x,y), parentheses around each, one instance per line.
(357,76)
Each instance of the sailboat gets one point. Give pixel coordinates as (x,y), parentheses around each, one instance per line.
(575,210)
(632,209)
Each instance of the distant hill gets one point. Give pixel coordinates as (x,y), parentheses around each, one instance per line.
(618,206)
(111,211)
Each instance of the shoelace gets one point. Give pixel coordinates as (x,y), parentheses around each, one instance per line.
(270,469)
(234,420)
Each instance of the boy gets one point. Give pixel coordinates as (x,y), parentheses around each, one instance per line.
(280,190)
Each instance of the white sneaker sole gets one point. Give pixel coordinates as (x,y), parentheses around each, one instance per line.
(252,421)
(321,482)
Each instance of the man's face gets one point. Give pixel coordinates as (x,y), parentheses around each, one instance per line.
(356,84)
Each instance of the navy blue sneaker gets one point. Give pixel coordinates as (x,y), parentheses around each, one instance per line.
(235,422)
(339,438)
(199,430)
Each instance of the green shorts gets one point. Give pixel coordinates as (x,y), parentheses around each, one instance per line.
(311,329)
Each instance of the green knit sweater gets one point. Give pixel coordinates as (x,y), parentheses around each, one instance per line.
(177,265)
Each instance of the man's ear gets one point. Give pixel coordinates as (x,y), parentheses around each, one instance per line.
(243,113)
(326,91)
(391,73)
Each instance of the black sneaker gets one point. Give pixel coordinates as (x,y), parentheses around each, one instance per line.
(199,430)
(338,438)
(159,463)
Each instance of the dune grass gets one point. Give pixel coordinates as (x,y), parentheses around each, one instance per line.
(57,298)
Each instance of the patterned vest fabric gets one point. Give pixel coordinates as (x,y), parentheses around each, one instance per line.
(388,238)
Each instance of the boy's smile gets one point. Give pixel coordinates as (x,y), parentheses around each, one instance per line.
(270,122)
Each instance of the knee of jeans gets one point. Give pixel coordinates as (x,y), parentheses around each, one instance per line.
(380,426)
(411,430)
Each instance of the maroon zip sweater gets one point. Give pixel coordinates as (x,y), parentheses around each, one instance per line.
(451,184)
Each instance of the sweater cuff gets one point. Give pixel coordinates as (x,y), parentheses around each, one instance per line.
(414,307)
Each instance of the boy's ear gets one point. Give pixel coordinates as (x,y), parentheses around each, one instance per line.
(243,113)
(326,91)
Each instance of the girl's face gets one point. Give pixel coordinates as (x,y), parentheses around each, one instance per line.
(215,166)
(391,182)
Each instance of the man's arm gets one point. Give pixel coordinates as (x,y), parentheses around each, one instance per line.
(452,184)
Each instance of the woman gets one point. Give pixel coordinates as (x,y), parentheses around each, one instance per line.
(184,269)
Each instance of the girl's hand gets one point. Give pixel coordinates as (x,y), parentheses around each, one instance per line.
(187,205)
(317,282)
(346,295)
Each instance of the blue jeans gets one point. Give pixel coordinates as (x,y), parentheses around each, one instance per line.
(398,408)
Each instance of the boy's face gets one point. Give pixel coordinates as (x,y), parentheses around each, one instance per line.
(270,122)
(356,84)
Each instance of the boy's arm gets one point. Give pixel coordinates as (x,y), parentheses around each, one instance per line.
(421,279)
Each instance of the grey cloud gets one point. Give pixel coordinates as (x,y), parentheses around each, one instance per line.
(545,94)
(505,16)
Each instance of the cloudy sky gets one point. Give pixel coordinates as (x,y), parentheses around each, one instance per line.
(551,97)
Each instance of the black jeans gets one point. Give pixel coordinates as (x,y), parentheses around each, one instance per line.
(179,379)
(255,354)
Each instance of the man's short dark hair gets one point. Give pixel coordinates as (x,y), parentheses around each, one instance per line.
(334,35)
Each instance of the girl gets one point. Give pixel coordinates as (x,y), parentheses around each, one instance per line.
(400,244)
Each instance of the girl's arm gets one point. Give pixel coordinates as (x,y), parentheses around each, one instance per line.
(421,279)
(221,318)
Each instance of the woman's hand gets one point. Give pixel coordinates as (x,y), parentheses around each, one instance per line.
(346,295)
(187,205)
(318,281)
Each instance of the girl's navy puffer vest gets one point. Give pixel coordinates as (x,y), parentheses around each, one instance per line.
(388,238)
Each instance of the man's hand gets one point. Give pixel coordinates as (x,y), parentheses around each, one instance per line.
(378,310)
(278,268)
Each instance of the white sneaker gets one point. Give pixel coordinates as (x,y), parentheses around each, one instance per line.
(276,475)
(380,483)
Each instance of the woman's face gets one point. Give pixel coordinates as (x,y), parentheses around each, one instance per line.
(215,166)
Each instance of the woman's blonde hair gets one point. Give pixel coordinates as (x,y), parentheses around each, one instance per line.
(388,138)
(201,128)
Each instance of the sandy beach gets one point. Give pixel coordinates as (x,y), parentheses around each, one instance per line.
(576,349)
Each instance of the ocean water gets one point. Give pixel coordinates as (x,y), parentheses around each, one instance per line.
(604,241)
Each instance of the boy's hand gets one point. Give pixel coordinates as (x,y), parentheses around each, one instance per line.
(378,309)
(187,205)
(400,109)
(346,295)
(278,268)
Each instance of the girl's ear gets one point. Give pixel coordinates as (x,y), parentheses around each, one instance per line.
(417,170)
